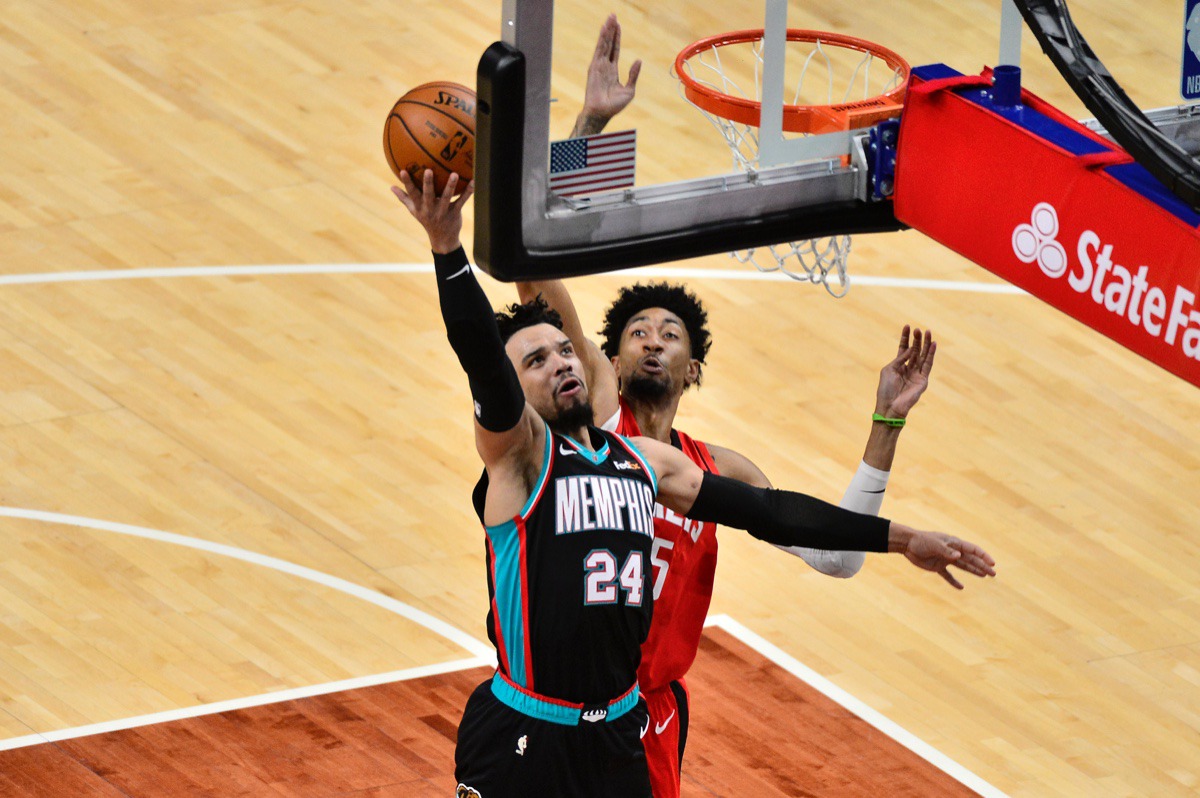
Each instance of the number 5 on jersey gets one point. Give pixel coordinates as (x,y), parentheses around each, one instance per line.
(601,580)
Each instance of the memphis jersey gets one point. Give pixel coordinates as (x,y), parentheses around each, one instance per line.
(684,558)
(569,577)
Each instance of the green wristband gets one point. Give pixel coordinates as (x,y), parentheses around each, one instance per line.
(891,422)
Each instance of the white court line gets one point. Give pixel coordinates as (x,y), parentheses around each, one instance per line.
(645,272)
(244,703)
(485,656)
(854,705)
(431,623)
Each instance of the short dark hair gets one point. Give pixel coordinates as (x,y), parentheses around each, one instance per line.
(517,317)
(675,298)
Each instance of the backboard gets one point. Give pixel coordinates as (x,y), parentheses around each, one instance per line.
(687,200)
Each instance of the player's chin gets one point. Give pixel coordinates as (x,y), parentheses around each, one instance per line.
(573,410)
(649,386)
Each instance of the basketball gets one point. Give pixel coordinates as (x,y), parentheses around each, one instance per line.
(432,127)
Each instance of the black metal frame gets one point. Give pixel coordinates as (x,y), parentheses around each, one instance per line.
(1062,42)
(500,246)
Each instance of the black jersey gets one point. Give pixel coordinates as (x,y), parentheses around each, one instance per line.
(568,576)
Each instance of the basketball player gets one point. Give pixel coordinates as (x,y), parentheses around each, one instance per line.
(656,338)
(568,515)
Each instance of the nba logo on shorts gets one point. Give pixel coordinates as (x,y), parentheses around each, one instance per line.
(1190,82)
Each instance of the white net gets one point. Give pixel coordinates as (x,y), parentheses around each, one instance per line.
(828,74)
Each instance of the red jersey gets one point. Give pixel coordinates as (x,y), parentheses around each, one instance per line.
(686,550)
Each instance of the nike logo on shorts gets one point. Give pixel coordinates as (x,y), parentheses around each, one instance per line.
(645,728)
(659,728)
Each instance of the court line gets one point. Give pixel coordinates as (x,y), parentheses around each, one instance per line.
(244,703)
(435,625)
(645,272)
(854,705)
(431,623)
(484,655)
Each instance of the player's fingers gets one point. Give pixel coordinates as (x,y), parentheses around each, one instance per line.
(928,365)
(973,549)
(916,348)
(404,198)
(602,41)
(949,577)
(615,54)
(918,355)
(448,191)
(428,195)
(407,182)
(634,71)
(904,338)
(975,566)
(466,195)
(898,360)
(410,188)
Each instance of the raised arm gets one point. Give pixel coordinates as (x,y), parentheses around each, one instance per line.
(902,382)
(509,434)
(605,95)
(794,519)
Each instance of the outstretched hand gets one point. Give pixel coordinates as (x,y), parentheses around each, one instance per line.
(441,216)
(605,95)
(935,551)
(902,381)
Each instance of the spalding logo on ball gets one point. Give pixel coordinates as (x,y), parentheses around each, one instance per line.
(433,127)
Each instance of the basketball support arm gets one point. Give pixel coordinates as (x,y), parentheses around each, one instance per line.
(1062,42)
(524,232)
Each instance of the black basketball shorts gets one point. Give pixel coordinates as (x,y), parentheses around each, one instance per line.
(505,753)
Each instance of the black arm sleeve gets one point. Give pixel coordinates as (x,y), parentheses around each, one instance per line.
(786,518)
(471,328)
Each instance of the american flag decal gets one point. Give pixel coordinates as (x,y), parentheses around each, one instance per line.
(592,163)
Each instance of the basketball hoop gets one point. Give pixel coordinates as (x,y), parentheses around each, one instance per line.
(841,95)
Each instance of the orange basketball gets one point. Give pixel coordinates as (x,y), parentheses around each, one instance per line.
(432,127)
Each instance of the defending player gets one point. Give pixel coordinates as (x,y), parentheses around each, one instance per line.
(656,338)
(567,510)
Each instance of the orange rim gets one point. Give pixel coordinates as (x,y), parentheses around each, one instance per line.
(797,118)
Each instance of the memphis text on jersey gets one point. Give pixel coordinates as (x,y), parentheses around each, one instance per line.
(589,502)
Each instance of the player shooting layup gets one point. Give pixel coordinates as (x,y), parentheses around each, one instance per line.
(567,515)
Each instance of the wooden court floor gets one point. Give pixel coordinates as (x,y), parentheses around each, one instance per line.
(397,739)
(226,479)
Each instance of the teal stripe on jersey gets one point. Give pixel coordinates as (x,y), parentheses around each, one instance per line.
(510,598)
(510,590)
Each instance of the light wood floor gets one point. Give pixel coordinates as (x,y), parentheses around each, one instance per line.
(322,419)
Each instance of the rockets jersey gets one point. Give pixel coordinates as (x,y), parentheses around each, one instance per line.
(569,577)
(684,558)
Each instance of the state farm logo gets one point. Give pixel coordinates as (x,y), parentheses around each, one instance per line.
(1035,241)
(1096,274)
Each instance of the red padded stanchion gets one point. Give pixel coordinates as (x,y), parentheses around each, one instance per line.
(1004,189)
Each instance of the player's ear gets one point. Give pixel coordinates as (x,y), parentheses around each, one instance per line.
(694,373)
